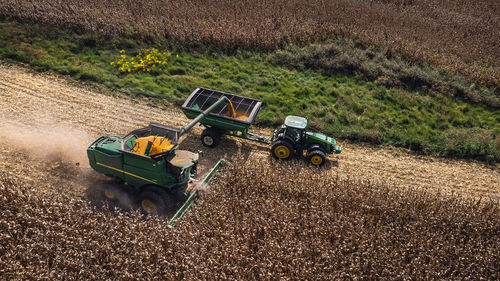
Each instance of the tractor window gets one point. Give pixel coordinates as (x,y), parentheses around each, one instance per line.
(293,133)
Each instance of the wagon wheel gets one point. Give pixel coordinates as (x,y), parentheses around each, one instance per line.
(154,201)
(210,137)
(282,149)
(316,157)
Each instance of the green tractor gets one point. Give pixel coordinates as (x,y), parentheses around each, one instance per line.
(292,137)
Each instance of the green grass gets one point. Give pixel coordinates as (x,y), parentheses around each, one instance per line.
(342,105)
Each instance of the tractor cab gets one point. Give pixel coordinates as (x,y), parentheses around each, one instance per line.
(293,129)
(292,137)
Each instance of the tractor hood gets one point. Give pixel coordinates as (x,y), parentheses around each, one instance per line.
(183,159)
(321,137)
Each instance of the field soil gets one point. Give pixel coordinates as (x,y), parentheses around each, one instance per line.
(47,122)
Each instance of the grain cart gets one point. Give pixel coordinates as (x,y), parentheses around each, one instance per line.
(149,162)
(235,117)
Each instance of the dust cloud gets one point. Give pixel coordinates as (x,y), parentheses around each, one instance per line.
(46,141)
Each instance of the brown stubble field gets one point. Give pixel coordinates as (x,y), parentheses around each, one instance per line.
(259,221)
(48,118)
(461,36)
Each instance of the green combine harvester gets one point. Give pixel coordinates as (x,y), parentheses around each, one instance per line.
(234,119)
(148,160)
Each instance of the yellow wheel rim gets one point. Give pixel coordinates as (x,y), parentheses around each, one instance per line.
(109,194)
(282,152)
(208,140)
(148,206)
(316,160)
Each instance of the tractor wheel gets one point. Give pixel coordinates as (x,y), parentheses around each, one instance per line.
(154,201)
(315,147)
(316,157)
(111,191)
(282,149)
(210,137)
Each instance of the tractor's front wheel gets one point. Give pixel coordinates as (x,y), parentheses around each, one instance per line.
(210,137)
(316,157)
(282,149)
(154,201)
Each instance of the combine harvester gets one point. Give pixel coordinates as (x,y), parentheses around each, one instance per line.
(235,118)
(148,159)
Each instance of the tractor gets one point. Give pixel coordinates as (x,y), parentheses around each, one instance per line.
(292,138)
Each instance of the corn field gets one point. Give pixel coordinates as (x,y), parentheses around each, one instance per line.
(260,221)
(461,36)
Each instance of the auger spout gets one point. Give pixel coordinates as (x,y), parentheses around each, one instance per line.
(198,118)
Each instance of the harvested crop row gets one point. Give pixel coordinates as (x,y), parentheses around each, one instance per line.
(462,36)
(258,222)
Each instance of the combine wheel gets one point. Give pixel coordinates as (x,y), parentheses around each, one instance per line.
(316,157)
(282,149)
(210,137)
(111,191)
(154,201)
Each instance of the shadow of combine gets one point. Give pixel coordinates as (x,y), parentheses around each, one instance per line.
(125,197)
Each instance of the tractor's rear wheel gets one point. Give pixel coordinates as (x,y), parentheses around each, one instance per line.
(282,149)
(316,157)
(154,201)
(210,137)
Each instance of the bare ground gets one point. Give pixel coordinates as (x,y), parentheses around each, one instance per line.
(46,123)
